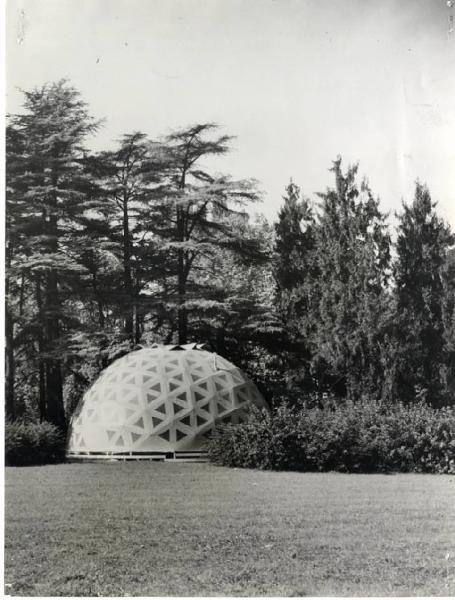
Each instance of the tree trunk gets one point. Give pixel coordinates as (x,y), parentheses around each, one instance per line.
(54,385)
(54,393)
(137,325)
(182,316)
(221,340)
(51,330)
(99,304)
(127,277)
(10,365)
(41,370)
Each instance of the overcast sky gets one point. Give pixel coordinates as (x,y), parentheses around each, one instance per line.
(297,81)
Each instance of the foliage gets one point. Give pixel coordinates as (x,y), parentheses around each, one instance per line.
(353,256)
(295,272)
(364,436)
(111,249)
(424,284)
(197,219)
(447,371)
(32,443)
(144,243)
(47,189)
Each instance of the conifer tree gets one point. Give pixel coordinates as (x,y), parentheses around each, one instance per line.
(48,190)
(448,316)
(130,178)
(295,271)
(14,146)
(422,247)
(198,215)
(353,254)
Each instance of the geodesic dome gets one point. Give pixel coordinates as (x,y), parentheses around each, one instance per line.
(163,399)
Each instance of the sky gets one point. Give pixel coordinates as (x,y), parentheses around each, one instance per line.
(298,82)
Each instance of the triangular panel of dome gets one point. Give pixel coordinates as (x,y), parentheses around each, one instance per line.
(180,434)
(132,398)
(175,385)
(160,407)
(139,423)
(200,420)
(186,420)
(157,421)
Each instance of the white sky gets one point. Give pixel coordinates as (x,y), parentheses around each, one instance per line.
(297,81)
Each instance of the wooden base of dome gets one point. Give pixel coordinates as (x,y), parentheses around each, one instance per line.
(138,456)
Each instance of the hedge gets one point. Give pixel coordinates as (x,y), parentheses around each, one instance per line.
(30,443)
(352,437)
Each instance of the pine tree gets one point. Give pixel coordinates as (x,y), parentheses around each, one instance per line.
(422,246)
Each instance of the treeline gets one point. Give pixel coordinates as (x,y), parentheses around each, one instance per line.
(142,243)
(363,316)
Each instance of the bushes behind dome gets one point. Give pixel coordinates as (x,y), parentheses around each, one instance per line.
(347,437)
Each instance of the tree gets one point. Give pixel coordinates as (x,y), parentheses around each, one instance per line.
(295,271)
(353,260)
(14,145)
(130,177)
(448,317)
(422,247)
(195,216)
(47,190)
(237,315)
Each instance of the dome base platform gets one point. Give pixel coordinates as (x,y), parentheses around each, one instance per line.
(199,456)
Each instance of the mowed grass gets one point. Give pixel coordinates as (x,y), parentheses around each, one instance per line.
(147,529)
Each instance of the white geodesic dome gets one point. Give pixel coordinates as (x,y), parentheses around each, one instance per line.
(163,399)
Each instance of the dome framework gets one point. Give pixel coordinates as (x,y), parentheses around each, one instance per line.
(160,402)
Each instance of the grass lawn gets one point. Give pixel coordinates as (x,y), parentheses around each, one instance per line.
(148,529)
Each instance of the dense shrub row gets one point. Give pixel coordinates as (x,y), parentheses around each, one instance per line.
(349,437)
(29,443)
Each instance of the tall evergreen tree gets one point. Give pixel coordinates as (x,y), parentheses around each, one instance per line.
(295,270)
(48,187)
(130,178)
(448,317)
(13,280)
(422,246)
(353,254)
(197,218)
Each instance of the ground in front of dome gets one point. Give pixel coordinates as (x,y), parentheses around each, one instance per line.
(151,529)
